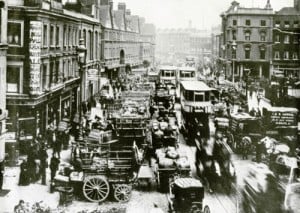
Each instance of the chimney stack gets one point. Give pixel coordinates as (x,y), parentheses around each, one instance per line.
(297,5)
(111,4)
(128,12)
(122,6)
(268,5)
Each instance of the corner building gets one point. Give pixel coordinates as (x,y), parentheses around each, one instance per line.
(246,41)
(43,84)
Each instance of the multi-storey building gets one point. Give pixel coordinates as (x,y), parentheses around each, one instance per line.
(147,36)
(43,83)
(246,36)
(121,42)
(286,40)
(179,43)
(3,49)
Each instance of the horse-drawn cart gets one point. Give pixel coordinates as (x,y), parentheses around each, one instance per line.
(107,168)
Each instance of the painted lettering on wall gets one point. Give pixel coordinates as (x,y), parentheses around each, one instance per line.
(35,45)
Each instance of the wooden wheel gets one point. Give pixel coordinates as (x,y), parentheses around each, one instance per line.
(122,192)
(96,188)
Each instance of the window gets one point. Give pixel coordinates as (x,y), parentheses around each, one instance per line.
(263,23)
(234,22)
(286,55)
(296,24)
(262,53)
(296,39)
(277,38)
(57,36)
(199,96)
(44,77)
(14,33)
(70,36)
(286,24)
(233,35)
(234,53)
(65,36)
(277,23)
(286,39)
(91,45)
(57,72)
(295,56)
(263,36)
(45,35)
(276,55)
(248,22)
(247,52)
(247,35)
(13,78)
(52,36)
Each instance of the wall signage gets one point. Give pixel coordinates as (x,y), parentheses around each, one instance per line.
(35,44)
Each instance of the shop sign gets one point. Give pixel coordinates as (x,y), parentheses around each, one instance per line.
(35,45)
(93,75)
(283,119)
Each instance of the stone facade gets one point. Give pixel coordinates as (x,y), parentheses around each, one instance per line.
(246,41)
(42,70)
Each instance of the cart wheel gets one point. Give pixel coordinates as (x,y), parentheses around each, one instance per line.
(206,209)
(122,193)
(96,188)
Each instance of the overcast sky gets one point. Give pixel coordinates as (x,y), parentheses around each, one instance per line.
(177,13)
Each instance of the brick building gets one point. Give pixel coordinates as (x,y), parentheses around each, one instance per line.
(246,41)
(122,46)
(286,40)
(43,83)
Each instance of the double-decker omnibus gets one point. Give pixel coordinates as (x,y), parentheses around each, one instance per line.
(185,74)
(195,100)
(168,77)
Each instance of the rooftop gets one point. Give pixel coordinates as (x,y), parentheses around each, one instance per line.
(195,86)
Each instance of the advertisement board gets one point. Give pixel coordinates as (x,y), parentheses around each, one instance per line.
(35,45)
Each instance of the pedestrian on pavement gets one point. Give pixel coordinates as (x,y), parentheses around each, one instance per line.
(24,179)
(57,143)
(40,139)
(1,174)
(21,207)
(32,166)
(43,155)
(49,135)
(54,163)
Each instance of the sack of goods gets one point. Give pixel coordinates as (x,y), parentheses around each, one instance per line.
(160,153)
(183,162)
(165,162)
(172,154)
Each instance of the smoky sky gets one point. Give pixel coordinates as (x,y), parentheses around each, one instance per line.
(202,14)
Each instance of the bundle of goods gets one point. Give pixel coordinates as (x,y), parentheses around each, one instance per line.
(171,157)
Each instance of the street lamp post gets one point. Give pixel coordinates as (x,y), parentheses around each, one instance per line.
(81,53)
(233,56)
